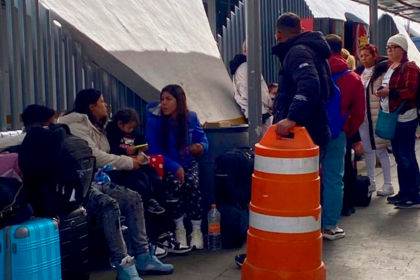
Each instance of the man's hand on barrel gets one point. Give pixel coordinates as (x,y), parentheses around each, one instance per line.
(283,127)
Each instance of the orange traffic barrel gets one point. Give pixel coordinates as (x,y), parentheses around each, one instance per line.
(284,236)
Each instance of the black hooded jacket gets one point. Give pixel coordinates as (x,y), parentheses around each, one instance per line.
(305,84)
(237,61)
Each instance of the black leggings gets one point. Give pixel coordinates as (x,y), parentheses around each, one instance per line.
(189,193)
(135,180)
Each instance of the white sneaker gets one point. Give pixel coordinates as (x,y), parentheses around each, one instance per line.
(181,236)
(333,234)
(386,190)
(197,240)
(372,187)
(160,253)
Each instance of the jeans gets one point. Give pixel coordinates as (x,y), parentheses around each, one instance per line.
(332,181)
(109,202)
(403,147)
(147,183)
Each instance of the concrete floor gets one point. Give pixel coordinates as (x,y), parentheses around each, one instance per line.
(381,243)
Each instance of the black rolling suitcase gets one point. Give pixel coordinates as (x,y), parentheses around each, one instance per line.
(363,195)
(356,187)
(74,245)
(233,177)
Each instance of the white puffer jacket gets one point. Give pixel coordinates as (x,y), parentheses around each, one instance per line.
(81,126)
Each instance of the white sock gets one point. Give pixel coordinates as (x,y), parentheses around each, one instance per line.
(196,224)
(179,223)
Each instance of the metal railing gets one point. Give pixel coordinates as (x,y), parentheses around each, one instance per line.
(40,63)
(234,33)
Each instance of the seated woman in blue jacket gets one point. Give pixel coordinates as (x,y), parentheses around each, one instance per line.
(175,132)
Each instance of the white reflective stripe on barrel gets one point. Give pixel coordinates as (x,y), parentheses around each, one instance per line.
(284,224)
(287,166)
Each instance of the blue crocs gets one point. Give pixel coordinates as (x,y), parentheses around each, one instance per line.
(147,263)
(126,270)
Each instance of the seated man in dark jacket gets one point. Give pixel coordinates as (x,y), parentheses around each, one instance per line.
(304,80)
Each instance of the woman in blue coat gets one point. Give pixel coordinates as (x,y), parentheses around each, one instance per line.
(175,132)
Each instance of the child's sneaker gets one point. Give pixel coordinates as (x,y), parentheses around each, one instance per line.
(160,253)
(147,263)
(155,208)
(333,234)
(126,270)
(170,244)
(171,199)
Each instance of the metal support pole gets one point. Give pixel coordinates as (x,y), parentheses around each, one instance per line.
(373,21)
(253,40)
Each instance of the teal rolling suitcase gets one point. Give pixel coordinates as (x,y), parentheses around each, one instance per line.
(30,251)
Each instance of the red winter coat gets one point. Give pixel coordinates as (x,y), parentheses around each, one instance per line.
(352,95)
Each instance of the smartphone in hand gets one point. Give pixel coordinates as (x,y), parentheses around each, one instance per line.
(379,88)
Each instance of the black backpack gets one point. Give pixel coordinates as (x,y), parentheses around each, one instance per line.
(234,223)
(233,177)
(14,202)
(58,169)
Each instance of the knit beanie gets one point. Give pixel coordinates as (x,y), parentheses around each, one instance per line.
(399,40)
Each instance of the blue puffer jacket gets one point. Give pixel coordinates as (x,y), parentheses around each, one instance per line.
(173,158)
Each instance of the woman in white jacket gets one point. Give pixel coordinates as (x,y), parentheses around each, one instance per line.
(238,69)
(87,121)
(89,126)
(372,72)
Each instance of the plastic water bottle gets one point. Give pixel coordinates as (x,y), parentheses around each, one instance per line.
(214,237)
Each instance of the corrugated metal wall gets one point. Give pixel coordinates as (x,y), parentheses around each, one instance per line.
(41,64)
(234,33)
(271,10)
(387,29)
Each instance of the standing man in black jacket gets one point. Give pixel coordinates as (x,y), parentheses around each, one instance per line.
(304,79)
(304,83)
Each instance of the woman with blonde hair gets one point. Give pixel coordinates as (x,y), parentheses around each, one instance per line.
(351,61)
